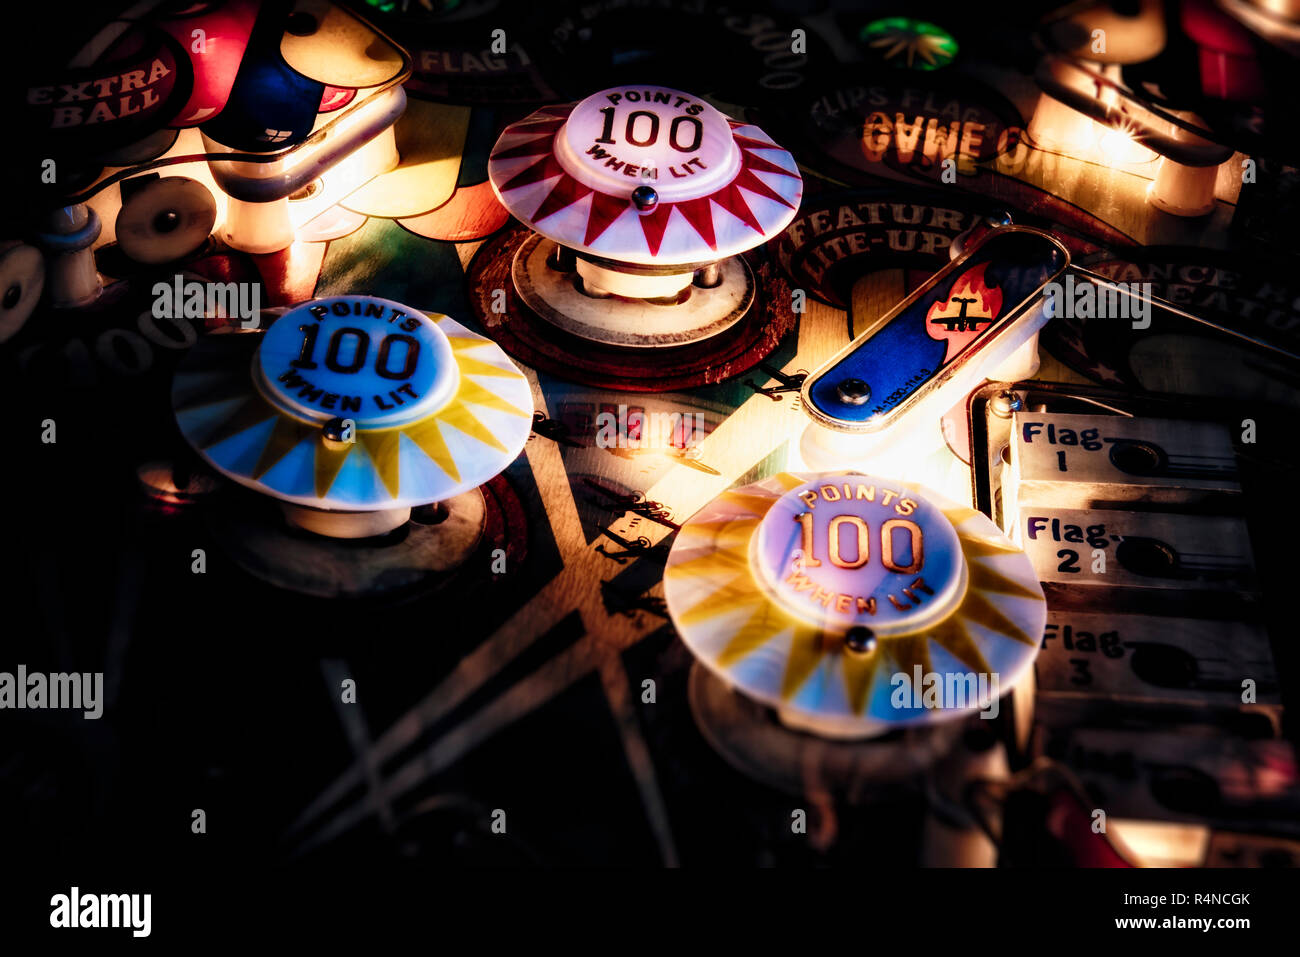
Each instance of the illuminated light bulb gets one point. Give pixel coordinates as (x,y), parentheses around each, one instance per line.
(371,160)
(258,219)
(1056,126)
(310,95)
(1114,146)
(1118,147)
(1162,843)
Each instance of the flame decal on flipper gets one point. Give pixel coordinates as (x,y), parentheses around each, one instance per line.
(970,308)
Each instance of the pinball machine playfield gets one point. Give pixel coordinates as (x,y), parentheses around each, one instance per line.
(466,433)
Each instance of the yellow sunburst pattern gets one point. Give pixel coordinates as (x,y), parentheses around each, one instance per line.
(802,664)
(460,444)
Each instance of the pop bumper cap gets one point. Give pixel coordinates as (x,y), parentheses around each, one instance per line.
(354,403)
(645,175)
(839,599)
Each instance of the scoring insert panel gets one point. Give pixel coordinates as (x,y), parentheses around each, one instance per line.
(372,360)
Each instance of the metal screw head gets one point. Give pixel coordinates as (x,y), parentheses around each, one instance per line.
(860,639)
(1000,218)
(167,221)
(1005,403)
(645,198)
(333,430)
(853,391)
